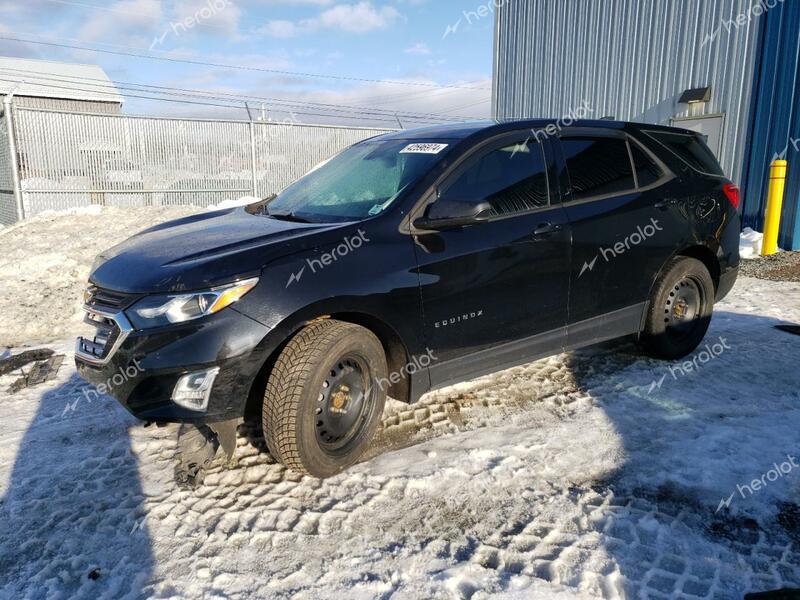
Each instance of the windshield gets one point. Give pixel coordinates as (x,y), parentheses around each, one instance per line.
(360,182)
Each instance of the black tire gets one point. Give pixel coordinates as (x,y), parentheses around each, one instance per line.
(680,310)
(323,400)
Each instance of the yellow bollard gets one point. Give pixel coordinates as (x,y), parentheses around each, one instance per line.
(772,218)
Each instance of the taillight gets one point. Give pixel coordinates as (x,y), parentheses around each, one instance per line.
(732,193)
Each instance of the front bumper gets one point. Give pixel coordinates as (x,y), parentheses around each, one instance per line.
(140,368)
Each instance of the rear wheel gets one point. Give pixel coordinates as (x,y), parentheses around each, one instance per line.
(323,402)
(680,309)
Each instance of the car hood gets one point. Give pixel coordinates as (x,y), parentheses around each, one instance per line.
(200,251)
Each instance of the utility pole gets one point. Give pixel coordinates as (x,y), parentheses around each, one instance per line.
(8,109)
(252,126)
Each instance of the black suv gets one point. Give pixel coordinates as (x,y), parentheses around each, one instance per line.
(408,262)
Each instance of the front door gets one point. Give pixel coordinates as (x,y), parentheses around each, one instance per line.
(495,293)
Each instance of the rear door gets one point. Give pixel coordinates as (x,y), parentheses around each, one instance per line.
(616,199)
(496,292)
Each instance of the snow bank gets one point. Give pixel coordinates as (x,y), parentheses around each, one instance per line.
(45,262)
(750,243)
(244,201)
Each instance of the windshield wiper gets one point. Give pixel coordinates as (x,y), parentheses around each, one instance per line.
(293,218)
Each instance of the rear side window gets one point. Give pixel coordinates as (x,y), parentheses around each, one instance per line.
(690,149)
(513,179)
(598,166)
(647,172)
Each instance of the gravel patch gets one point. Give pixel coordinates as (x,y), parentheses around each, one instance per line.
(783,266)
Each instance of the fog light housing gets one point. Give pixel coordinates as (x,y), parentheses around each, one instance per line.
(193,390)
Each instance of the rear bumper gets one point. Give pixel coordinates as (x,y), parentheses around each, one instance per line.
(726,282)
(142,371)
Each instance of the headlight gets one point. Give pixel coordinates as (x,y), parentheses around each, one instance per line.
(155,311)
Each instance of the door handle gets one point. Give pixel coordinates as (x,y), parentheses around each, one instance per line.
(545,228)
(666,203)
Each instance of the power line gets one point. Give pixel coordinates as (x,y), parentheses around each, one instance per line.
(222,96)
(383,98)
(229,66)
(382,119)
(241,105)
(470,105)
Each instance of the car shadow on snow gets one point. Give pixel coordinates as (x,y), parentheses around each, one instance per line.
(683,515)
(71,521)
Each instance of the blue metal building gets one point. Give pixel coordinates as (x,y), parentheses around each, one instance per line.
(635,59)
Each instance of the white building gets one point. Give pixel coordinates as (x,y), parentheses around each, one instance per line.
(58,86)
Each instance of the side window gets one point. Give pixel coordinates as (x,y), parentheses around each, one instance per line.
(512,179)
(690,149)
(647,172)
(598,166)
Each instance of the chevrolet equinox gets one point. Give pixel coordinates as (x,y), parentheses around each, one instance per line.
(408,262)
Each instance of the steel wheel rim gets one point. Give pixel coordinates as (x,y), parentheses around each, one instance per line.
(683,308)
(344,403)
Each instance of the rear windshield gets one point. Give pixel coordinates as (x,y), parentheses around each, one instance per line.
(690,149)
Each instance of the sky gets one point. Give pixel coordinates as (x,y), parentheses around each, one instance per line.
(382,56)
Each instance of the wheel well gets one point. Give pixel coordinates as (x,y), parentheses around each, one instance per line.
(396,359)
(707,257)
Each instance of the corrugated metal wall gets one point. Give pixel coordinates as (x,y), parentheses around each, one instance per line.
(87,106)
(630,59)
(776,130)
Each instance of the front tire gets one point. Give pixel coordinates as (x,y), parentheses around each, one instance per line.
(680,310)
(323,400)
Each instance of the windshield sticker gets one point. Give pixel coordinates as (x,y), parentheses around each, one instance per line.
(423,148)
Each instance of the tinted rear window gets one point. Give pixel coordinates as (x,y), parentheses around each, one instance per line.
(598,166)
(647,172)
(690,149)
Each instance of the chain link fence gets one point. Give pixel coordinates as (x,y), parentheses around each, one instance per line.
(69,159)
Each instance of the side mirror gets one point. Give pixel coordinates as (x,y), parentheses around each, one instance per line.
(449,214)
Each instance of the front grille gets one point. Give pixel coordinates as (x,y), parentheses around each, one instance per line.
(109,300)
(109,326)
(96,344)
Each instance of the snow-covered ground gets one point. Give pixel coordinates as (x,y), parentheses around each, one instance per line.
(45,262)
(591,474)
